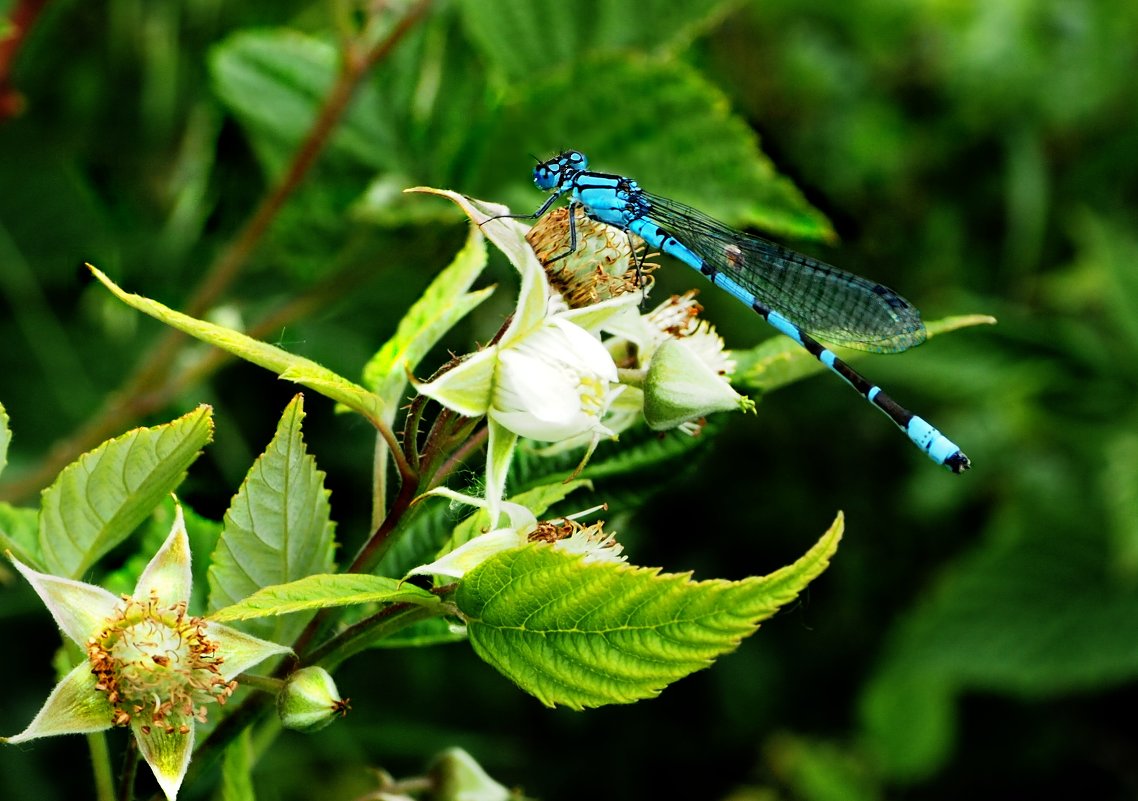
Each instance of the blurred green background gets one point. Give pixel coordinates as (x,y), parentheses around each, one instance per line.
(976,635)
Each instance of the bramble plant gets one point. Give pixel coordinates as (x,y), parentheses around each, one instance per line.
(549,600)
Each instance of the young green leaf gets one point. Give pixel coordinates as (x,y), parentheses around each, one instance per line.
(321,591)
(98,500)
(585,634)
(444,303)
(277,528)
(286,365)
(19,533)
(778,361)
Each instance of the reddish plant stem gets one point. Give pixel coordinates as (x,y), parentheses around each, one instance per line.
(22,18)
(145,390)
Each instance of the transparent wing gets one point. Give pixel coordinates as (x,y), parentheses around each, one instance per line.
(822,300)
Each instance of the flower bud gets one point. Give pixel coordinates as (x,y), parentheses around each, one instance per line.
(310,700)
(680,387)
(457,777)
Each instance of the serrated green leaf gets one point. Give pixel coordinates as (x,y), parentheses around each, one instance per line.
(288,366)
(99,499)
(321,591)
(525,38)
(444,303)
(585,634)
(19,533)
(277,528)
(5,438)
(275,83)
(712,157)
(779,361)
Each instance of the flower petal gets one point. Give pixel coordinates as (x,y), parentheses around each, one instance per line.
(74,707)
(466,388)
(79,609)
(240,651)
(168,755)
(469,556)
(614,314)
(167,575)
(533,301)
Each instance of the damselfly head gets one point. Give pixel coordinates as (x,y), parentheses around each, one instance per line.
(549,175)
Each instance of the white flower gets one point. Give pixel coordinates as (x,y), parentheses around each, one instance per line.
(563,533)
(150,665)
(554,384)
(548,377)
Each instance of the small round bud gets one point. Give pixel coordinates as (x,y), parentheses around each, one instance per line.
(681,387)
(310,700)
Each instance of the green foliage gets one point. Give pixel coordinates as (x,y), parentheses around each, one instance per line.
(99,500)
(586,634)
(19,533)
(274,82)
(520,39)
(278,527)
(322,591)
(287,365)
(237,771)
(977,157)
(441,306)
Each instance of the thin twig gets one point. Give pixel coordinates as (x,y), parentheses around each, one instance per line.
(20,20)
(138,393)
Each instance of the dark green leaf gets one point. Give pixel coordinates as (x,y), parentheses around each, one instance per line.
(525,38)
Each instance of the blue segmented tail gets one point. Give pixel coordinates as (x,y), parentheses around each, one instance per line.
(799,296)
